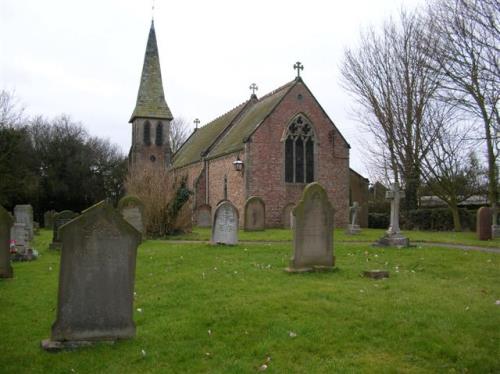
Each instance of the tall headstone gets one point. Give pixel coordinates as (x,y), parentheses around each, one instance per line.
(203,215)
(313,232)
(225,224)
(393,236)
(24,214)
(6,222)
(255,214)
(288,216)
(96,279)
(353,228)
(484,223)
(132,209)
(48,219)
(19,234)
(60,219)
(495,227)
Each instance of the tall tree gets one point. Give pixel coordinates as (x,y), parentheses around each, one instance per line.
(390,79)
(178,133)
(466,50)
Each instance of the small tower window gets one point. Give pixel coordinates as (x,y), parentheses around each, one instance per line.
(159,134)
(147,133)
(299,151)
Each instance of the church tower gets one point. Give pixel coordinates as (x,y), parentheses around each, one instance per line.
(151,117)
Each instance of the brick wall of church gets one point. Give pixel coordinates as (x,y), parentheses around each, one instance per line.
(264,171)
(192,171)
(219,167)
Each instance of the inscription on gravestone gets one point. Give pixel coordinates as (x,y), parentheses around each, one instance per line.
(24,214)
(225,224)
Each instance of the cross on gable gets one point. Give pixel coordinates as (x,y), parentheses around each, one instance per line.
(196,122)
(254,88)
(298,66)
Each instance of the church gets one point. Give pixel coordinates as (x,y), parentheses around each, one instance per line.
(269,147)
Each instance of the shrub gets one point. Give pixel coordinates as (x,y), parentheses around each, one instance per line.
(378,220)
(438,219)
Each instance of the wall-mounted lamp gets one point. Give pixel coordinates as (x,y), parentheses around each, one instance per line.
(238,164)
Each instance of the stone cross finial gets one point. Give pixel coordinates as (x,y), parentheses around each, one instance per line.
(196,123)
(298,66)
(354,209)
(254,88)
(394,195)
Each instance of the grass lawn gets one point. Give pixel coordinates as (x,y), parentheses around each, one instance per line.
(366,235)
(216,309)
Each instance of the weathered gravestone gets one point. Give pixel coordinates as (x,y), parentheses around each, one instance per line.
(24,214)
(48,219)
(255,214)
(203,216)
(313,232)
(484,223)
(132,209)
(19,234)
(96,279)
(60,219)
(495,227)
(393,236)
(288,216)
(353,228)
(225,224)
(6,222)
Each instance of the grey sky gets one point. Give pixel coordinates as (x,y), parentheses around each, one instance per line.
(84,58)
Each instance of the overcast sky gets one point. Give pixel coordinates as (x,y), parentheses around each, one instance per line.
(84,58)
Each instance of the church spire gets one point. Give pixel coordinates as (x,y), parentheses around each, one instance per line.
(150,98)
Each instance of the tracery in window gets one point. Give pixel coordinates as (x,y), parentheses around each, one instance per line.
(299,151)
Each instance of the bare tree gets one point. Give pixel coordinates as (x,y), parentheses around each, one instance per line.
(179,132)
(11,111)
(389,77)
(466,53)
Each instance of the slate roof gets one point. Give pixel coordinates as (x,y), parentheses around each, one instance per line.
(228,133)
(150,98)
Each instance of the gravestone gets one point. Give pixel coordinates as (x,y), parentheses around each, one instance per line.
(204,216)
(353,228)
(60,219)
(24,214)
(19,234)
(96,279)
(288,216)
(6,222)
(48,219)
(313,232)
(484,223)
(255,214)
(225,224)
(132,209)
(393,236)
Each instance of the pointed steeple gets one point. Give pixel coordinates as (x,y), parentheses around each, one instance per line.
(150,98)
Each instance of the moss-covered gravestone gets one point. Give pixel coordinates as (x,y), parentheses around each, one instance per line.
(60,219)
(48,219)
(96,279)
(203,216)
(132,209)
(225,225)
(6,222)
(313,232)
(255,214)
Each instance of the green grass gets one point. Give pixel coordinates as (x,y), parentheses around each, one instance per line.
(436,313)
(366,235)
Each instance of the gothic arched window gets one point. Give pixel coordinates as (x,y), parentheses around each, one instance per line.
(159,134)
(299,151)
(147,133)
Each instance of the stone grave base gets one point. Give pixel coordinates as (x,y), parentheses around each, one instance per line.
(29,255)
(58,346)
(55,245)
(376,274)
(353,230)
(310,269)
(495,231)
(396,240)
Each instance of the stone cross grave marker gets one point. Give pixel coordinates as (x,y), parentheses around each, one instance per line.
(24,214)
(353,228)
(6,222)
(132,209)
(255,214)
(484,223)
(313,232)
(60,219)
(393,236)
(225,224)
(204,216)
(96,279)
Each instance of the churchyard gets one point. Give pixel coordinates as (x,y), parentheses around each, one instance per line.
(205,308)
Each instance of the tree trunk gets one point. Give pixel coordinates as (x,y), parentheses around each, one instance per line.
(456,218)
